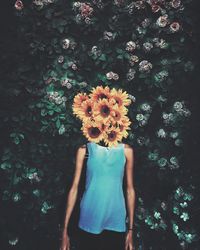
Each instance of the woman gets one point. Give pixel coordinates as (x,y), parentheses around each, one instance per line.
(102,214)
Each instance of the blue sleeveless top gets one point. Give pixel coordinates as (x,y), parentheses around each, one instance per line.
(102,205)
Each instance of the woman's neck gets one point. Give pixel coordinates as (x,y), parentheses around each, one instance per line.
(101,143)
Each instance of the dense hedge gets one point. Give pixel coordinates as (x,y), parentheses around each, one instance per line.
(55,49)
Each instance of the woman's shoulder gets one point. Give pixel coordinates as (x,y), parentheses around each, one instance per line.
(128,146)
(82,146)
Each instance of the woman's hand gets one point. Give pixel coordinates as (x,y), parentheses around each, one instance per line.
(129,241)
(65,244)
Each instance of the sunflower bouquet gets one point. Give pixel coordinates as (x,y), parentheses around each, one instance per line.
(103,114)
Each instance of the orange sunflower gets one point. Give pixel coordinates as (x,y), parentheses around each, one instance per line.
(117,113)
(78,100)
(102,110)
(99,93)
(85,111)
(123,125)
(92,131)
(120,97)
(112,136)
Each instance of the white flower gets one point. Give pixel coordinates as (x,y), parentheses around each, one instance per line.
(77,4)
(147,46)
(83,84)
(115,76)
(133,59)
(145,66)
(162,21)
(161,133)
(13,241)
(146,107)
(132,97)
(61,59)
(178,142)
(108,35)
(130,46)
(139,117)
(174,160)
(165,116)
(174,27)
(157,215)
(61,129)
(65,43)
(184,216)
(175,3)
(178,106)
(131,74)
(111,75)
(174,134)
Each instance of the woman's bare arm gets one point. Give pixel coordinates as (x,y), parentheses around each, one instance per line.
(129,153)
(72,196)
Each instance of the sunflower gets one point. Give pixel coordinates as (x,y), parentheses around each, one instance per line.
(85,111)
(123,125)
(118,113)
(102,110)
(99,93)
(120,97)
(112,136)
(92,131)
(78,100)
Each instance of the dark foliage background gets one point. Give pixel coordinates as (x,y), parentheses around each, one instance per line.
(52,51)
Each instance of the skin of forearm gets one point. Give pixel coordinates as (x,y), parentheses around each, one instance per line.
(131,206)
(71,200)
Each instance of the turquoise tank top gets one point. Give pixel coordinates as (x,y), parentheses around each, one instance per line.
(102,205)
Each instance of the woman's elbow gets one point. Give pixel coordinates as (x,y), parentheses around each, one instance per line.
(74,189)
(131,191)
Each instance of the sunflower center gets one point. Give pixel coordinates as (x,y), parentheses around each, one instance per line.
(103,126)
(102,96)
(94,132)
(121,127)
(89,110)
(112,136)
(117,115)
(105,110)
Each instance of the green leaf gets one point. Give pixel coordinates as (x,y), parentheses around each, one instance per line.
(61,29)
(58,123)
(119,51)
(120,56)
(102,57)
(43,112)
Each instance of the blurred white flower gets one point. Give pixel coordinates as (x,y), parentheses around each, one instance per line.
(161,133)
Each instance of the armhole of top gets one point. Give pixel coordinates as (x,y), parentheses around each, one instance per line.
(123,147)
(87,150)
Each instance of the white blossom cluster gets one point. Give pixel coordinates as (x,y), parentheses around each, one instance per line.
(95,51)
(145,66)
(108,35)
(141,140)
(161,133)
(13,241)
(33,176)
(131,74)
(41,3)
(180,108)
(56,98)
(143,117)
(167,118)
(131,46)
(84,12)
(68,43)
(111,75)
